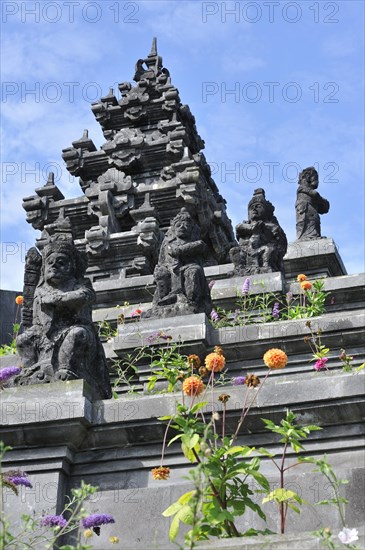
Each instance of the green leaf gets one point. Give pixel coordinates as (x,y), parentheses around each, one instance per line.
(254,532)
(264,452)
(174,528)
(172,509)
(178,436)
(186,497)
(282,495)
(184,514)
(188,453)
(190,441)
(243,451)
(195,408)
(295,508)
(261,479)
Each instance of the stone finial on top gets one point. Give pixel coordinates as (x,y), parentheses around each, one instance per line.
(309,205)
(154,65)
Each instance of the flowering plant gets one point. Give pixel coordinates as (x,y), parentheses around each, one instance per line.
(270,306)
(11,348)
(47,531)
(220,494)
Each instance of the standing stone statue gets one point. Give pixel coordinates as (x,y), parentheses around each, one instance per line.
(309,205)
(181,286)
(262,242)
(62,343)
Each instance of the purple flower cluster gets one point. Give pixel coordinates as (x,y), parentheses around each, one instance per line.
(321,363)
(158,335)
(20,478)
(289,297)
(239,380)
(54,521)
(8,372)
(214,316)
(276,310)
(211,284)
(97,519)
(246,286)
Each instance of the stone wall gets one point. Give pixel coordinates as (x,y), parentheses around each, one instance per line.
(7,315)
(61,435)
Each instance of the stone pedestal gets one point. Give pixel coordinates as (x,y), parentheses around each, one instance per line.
(316,258)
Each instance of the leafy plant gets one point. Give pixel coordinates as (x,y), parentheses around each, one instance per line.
(222,470)
(291,434)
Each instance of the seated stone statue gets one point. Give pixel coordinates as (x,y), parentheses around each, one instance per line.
(62,343)
(309,205)
(262,242)
(181,286)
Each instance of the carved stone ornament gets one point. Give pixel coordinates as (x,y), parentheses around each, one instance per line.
(181,286)
(62,342)
(309,205)
(262,242)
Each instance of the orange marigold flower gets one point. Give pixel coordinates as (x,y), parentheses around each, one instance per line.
(215,362)
(218,349)
(193,386)
(275,358)
(19,300)
(306,285)
(162,472)
(194,361)
(301,278)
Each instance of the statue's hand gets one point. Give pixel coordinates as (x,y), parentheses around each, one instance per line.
(52,298)
(259,225)
(175,251)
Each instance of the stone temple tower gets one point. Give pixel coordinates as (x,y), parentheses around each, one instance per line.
(149,167)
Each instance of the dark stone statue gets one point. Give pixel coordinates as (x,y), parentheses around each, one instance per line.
(62,343)
(309,205)
(181,286)
(262,242)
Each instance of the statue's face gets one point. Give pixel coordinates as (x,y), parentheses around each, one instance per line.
(310,180)
(183,228)
(58,268)
(257,211)
(313,181)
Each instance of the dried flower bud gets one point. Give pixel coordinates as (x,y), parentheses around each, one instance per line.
(224,397)
(203,371)
(252,380)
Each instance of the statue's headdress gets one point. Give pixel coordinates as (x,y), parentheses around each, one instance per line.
(259,197)
(63,244)
(307,174)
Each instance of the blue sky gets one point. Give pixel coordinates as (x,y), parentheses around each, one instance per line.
(294,70)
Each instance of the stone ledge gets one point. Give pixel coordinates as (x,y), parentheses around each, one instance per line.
(299,541)
(73,420)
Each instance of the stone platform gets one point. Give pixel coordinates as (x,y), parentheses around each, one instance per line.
(61,434)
